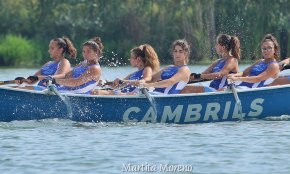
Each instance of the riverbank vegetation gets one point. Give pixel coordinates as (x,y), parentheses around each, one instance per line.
(28,25)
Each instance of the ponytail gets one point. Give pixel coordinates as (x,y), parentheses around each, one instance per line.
(235,47)
(150,57)
(70,49)
(231,43)
(67,46)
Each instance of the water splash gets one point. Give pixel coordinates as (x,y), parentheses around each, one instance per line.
(112,59)
(64,98)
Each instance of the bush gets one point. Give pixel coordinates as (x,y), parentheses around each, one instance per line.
(18,51)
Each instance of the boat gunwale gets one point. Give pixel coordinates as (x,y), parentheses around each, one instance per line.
(239,90)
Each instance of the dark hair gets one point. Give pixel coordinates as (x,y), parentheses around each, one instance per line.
(184,45)
(67,46)
(96,45)
(148,56)
(270,37)
(231,43)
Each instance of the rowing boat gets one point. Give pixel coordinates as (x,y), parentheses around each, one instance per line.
(21,104)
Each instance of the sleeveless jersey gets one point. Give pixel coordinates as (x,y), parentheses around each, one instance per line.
(219,83)
(48,69)
(82,89)
(135,76)
(256,70)
(167,74)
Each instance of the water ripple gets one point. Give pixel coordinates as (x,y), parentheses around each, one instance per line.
(64,146)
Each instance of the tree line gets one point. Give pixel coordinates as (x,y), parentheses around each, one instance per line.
(124,24)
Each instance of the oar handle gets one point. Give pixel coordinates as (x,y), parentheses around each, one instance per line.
(196,77)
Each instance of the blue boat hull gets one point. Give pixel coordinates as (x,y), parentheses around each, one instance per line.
(181,109)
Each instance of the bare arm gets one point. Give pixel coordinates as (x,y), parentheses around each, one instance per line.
(245,73)
(64,67)
(285,61)
(284,64)
(230,66)
(157,76)
(70,73)
(146,77)
(93,73)
(182,74)
(271,71)
(209,69)
(38,73)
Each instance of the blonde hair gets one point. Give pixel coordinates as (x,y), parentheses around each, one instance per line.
(148,55)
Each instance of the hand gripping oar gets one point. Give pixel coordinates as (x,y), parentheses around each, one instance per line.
(197,78)
(231,86)
(51,88)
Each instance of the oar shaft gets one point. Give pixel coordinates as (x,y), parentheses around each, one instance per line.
(237,99)
(200,80)
(7,82)
(236,95)
(111,83)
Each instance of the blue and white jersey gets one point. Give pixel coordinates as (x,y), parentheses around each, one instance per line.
(82,89)
(49,69)
(219,83)
(167,74)
(256,70)
(134,76)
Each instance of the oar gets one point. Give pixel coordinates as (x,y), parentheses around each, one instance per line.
(7,82)
(17,79)
(111,83)
(199,80)
(66,101)
(232,87)
(150,99)
(20,80)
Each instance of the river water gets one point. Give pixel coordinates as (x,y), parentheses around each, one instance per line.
(63,146)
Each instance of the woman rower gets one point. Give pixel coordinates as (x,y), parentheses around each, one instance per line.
(173,78)
(145,59)
(265,70)
(228,48)
(84,77)
(58,49)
